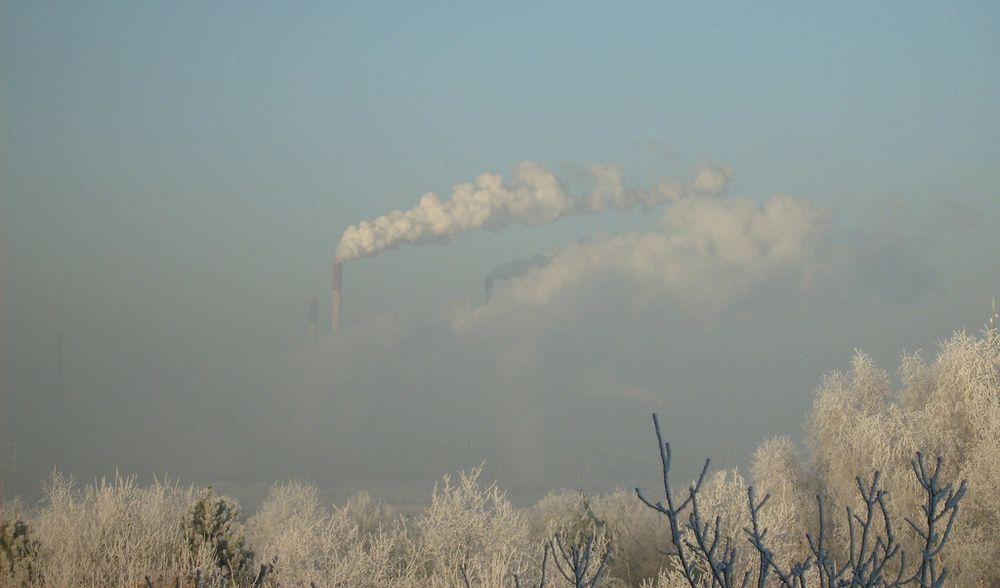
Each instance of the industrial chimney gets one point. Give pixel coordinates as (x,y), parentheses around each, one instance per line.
(335,297)
(313,320)
(60,402)
(488,287)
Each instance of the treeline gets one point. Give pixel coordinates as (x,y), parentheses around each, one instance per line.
(897,485)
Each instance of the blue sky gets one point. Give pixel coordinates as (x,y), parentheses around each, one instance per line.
(175,176)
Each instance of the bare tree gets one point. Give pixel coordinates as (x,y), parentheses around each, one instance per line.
(706,557)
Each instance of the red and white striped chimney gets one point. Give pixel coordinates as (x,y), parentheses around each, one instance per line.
(335,297)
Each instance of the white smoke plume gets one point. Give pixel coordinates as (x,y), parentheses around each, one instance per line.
(709,252)
(535,196)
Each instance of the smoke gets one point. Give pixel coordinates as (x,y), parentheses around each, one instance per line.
(708,253)
(535,196)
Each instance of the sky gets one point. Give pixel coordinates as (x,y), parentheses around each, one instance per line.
(175,179)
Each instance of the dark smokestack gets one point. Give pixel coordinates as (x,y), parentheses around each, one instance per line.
(313,317)
(489,287)
(58,364)
(60,400)
(335,297)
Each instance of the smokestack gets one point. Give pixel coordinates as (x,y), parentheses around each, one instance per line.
(489,287)
(313,319)
(57,390)
(335,297)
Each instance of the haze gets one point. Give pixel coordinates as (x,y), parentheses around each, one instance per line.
(694,210)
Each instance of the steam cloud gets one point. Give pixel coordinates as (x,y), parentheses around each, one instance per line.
(535,196)
(709,252)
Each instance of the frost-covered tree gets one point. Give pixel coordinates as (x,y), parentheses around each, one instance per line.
(473,529)
(18,553)
(779,471)
(213,521)
(112,533)
(359,544)
(706,553)
(862,423)
(948,407)
(576,538)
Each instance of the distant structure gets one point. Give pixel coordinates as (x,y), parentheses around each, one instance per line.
(994,321)
(313,317)
(335,297)
(59,399)
(510,270)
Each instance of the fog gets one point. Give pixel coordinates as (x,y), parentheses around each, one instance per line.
(176,186)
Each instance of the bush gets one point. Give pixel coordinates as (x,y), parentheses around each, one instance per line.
(472,528)
(212,522)
(356,545)
(18,552)
(111,533)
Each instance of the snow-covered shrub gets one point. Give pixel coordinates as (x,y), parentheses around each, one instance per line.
(472,527)
(290,527)
(213,522)
(779,471)
(18,553)
(112,533)
(633,535)
(310,542)
(367,514)
(637,536)
(567,521)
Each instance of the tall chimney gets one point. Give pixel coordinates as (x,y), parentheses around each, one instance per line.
(313,320)
(336,296)
(60,401)
(489,287)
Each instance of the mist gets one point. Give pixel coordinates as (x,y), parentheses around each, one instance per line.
(176,186)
